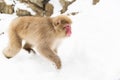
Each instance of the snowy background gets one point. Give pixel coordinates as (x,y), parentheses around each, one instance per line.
(91,53)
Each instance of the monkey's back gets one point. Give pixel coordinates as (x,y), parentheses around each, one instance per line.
(33,29)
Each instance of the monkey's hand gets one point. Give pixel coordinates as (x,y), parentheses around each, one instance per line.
(57,62)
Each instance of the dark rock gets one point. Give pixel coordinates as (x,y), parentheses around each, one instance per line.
(21,12)
(65,4)
(95,2)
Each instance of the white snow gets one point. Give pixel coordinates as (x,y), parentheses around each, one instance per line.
(91,53)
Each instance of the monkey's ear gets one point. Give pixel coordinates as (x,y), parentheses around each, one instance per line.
(56,22)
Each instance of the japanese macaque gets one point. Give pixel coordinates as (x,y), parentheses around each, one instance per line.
(42,33)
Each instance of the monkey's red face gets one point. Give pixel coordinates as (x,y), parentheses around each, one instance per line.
(68,30)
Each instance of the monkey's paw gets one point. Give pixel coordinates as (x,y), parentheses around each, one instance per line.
(29,50)
(58,64)
(8,57)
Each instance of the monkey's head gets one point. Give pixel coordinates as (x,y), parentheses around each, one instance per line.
(62,25)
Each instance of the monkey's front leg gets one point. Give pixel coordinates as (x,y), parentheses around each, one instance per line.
(48,53)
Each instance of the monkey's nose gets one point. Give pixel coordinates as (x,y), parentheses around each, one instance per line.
(67,25)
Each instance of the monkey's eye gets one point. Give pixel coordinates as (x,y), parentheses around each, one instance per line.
(57,23)
(64,22)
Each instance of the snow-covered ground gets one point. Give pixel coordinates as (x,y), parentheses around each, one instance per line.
(91,53)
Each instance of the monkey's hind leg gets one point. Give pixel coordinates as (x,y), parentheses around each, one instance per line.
(15,44)
(28,47)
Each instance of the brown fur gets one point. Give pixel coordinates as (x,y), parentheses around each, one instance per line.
(43,33)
